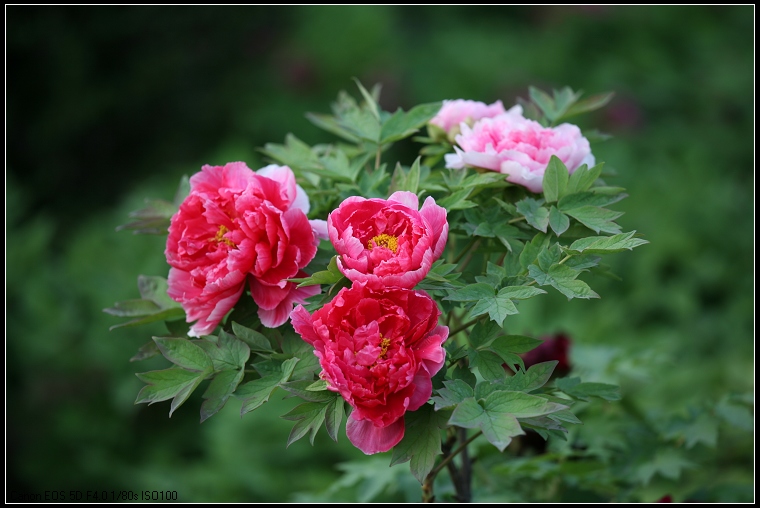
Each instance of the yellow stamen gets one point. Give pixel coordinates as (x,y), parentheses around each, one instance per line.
(388,241)
(220,236)
(384,345)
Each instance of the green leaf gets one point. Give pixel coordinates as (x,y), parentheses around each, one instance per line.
(317,386)
(558,221)
(256,392)
(227,353)
(330,124)
(584,391)
(667,462)
(155,289)
(548,257)
(300,388)
(565,415)
(471,293)
(498,428)
(489,364)
(362,123)
(184,353)
(583,178)
(309,416)
(536,215)
(543,101)
(483,333)
(454,392)
(421,442)
(579,199)
(497,307)
(153,219)
(596,219)
(168,383)
(294,153)
(555,180)
(535,377)
(256,341)
(457,200)
(368,99)
(401,125)
(146,351)
(605,244)
(520,292)
(334,413)
(164,315)
(521,405)
(516,343)
(533,248)
(219,391)
(562,278)
(589,104)
(330,276)
(131,308)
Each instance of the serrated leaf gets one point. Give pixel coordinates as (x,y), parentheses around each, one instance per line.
(421,443)
(362,123)
(520,292)
(535,215)
(579,199)
(547,257)
(583,391)
(454,392)
(227,353)
(401,125)
(558,221)
(535,377)
(605,244)
(334,417)
(131,308)
(562,278)
(555,180)
(596,219)
(583,178)
(256,392)
(184,353)
(589,104)
(499,428)
(146,351)
(310,416)
(533,248)
(497,307)
(471,293)
(256,341)
(667,462)
(521,405)
(300,388)
(489,364)
(219,391)
(516,343)
(155,289)
(169,383)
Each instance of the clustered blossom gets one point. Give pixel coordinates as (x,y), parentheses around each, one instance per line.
(379,342)
(237,226)
(454,112)
(379,350)
(388,243)
(518,147)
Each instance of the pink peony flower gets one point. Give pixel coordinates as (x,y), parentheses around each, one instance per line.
(520,148)
(379,351)
(387,242)
(454,112)
(237,225)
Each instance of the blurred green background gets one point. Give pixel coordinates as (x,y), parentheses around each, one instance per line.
(110,105)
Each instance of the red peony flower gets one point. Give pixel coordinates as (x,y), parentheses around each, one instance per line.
(378,349)
(388,242)
(237,225)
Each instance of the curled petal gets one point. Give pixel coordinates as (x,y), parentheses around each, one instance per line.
(371,439)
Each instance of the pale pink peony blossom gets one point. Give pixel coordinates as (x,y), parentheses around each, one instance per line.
(388,242)
(454,112)
(237,225)
(520,148)
(379,351)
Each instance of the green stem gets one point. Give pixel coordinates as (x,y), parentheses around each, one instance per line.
(464,327)
(516,219)
(377,157)
(565,259)
(453,454)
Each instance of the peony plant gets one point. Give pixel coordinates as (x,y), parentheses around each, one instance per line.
(321,275)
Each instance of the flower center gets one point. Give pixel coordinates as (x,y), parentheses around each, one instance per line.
(388,241)
(220,236)
(384,345)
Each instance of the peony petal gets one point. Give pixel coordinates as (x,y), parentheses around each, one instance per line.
(370,439)
(319,227)
(423,389)
(272,318)
(406,198)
